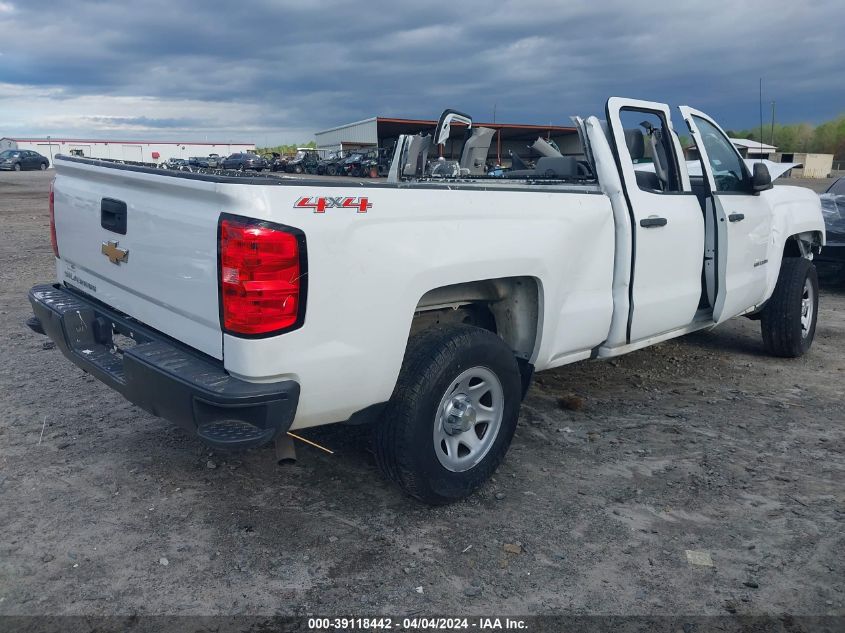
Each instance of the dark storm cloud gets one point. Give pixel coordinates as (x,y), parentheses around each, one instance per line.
(146,122)
(308,65)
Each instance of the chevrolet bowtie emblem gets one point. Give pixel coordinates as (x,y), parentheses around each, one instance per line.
(115,254)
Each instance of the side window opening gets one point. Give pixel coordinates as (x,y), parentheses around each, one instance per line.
(728,168)
(652,152)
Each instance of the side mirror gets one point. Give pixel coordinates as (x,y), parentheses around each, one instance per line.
(761,180)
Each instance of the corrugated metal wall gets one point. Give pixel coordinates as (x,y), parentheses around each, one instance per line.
(359,133)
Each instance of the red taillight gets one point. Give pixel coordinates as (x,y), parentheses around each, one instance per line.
(53,220)
(261,277)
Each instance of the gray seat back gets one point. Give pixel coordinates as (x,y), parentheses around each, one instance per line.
(474,154)
(635,141)
(544,148)
(417,155)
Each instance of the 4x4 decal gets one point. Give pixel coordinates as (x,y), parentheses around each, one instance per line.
(321,203)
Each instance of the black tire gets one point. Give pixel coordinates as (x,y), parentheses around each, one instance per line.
(781,319)
(43,166)
(331,170)
(17,166)
(298,169)
(404,437)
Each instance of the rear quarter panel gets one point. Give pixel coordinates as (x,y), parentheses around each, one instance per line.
(367,272)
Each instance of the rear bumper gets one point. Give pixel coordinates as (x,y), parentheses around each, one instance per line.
(162,376)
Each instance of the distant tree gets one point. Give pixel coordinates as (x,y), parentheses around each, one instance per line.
(286,149)
(826,138)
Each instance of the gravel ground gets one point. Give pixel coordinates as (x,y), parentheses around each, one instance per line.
(617,470)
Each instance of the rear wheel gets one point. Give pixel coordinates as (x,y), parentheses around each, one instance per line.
(298,169)
(452,415)
(789,319)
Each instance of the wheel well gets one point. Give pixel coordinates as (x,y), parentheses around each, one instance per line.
(508,306)
(802,244)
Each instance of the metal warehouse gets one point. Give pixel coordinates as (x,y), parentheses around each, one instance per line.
(383,132)
(129,151)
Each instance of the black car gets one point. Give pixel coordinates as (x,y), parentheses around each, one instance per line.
(832,256)
(20,159)
(243,160)
(305,161)
(329,165)
(199,162)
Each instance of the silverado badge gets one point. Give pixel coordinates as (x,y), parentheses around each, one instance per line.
(115,254)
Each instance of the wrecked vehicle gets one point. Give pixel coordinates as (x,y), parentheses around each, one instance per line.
(832,259)
(421,305)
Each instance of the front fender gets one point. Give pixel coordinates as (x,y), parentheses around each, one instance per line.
(796,211)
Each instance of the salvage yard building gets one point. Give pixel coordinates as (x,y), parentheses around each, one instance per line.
(383,131)
(128,151)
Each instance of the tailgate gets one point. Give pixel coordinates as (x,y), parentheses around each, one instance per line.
(167,228)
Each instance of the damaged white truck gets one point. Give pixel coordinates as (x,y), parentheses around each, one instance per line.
(245,307)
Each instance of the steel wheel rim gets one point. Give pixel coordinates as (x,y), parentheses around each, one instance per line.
(468,419)
(807,308)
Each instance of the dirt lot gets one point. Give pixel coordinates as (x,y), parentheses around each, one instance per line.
(702,444)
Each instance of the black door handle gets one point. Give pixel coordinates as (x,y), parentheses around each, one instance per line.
(736,217)
(113,215)
(652,222)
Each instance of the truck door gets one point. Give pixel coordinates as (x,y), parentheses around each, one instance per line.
(666,218)
(743,219)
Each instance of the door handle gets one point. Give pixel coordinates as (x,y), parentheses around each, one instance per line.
(736,217)
(113,215)
(649,223)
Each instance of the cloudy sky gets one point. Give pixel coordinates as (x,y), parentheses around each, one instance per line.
(276,71)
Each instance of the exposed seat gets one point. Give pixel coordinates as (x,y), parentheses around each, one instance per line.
(474,153)
(635,140)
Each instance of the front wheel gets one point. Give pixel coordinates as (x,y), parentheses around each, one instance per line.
(43,166)
(452,415)
(789,319)
(17,166)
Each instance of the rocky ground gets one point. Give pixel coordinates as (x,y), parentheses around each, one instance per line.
(699,476)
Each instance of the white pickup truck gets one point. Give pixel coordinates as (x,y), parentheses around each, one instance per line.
(245,307)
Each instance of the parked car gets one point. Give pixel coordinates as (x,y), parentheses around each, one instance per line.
(266,308)
(214,160)
(242,161)
(22,159)
(832,257)
(305,161)
(329,165)
(198,162)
